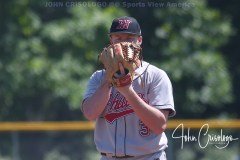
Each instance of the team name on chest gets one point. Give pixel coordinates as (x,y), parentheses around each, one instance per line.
(118,107)
(117,102)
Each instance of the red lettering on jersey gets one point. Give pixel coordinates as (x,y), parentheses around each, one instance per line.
(123,24)
(118,107)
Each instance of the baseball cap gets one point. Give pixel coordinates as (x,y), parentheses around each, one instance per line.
(125,25)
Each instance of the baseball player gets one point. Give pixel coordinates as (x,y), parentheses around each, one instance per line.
(130,106)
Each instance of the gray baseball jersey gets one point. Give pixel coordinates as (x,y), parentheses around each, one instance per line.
(118,130)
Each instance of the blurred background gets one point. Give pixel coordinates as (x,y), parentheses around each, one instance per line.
(48,50)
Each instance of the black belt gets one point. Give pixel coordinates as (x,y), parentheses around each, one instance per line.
(126,156)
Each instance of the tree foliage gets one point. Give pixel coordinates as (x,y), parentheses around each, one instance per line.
(45,63)
(48,53)
(186,43)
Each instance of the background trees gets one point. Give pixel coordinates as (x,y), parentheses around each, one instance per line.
(48,51)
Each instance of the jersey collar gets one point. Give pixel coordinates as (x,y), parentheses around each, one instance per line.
(139,71)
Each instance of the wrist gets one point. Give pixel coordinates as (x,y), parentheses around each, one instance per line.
(107,85)
(126,91)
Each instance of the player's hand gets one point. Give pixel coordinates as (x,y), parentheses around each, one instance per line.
(122,71)
(125,90)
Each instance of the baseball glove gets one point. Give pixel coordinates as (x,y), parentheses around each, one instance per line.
(123,54)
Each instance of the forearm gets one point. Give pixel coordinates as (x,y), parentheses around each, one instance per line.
(153,118)
(94,105)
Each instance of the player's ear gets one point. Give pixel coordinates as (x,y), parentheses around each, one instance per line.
(139,40)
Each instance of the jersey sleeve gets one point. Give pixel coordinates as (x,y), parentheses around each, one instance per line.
(93,84)
(160,93)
